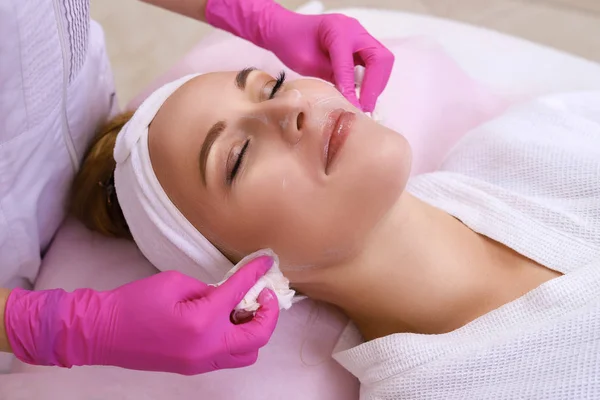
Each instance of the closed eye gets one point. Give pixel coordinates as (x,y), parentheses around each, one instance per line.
(278,84)
(237,163)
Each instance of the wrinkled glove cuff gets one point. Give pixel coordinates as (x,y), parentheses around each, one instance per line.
(48,327)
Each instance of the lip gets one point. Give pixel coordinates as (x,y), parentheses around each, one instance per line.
(336,131)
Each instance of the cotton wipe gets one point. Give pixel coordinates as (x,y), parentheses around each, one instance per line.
(273,280)
(359,74)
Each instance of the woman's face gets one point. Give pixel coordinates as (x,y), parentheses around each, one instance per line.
(293,167)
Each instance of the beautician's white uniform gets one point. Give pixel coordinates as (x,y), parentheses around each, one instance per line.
(55,88)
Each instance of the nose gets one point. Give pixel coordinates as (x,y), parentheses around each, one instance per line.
(289,112)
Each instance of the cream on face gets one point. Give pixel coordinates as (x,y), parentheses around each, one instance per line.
(266,179)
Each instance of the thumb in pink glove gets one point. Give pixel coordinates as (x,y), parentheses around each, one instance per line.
(168,322)
(327,46)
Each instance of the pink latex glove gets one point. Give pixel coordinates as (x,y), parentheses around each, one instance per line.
(168,322)
(327,46)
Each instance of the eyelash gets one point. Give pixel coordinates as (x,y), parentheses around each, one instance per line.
(238,162)
(278,84)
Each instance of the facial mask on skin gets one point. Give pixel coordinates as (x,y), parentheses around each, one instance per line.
(359,73)
(273,280)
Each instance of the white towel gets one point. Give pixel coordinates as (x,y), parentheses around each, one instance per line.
(165,237)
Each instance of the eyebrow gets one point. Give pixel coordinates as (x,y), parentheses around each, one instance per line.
(211,137)
(215,131)
(242,77)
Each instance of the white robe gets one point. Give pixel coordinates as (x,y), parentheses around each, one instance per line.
(56,86)
(530,180)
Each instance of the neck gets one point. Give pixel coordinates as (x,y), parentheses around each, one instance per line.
(421,271)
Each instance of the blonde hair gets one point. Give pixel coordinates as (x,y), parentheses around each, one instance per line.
(93,199)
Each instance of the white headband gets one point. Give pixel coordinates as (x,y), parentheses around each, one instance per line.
(165,237)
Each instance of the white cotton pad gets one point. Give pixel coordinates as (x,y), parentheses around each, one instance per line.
(374,116)
(273,280)
(359,74)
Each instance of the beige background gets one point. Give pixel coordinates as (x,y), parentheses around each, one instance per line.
(144,41)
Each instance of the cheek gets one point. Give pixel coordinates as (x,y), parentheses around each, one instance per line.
(304,222)
(319,92)
(286,209)
(264,204)
(378,165)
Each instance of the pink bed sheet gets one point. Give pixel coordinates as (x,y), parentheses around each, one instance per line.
(429,99)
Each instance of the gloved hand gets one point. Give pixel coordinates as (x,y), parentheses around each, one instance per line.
(326,46)
(168,322)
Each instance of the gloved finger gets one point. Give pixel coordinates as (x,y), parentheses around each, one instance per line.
(233,290)
(379,62)
(255,334)
(342,64)
(183,286)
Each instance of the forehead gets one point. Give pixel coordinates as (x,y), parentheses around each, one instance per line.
(201,97)
(186,116)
